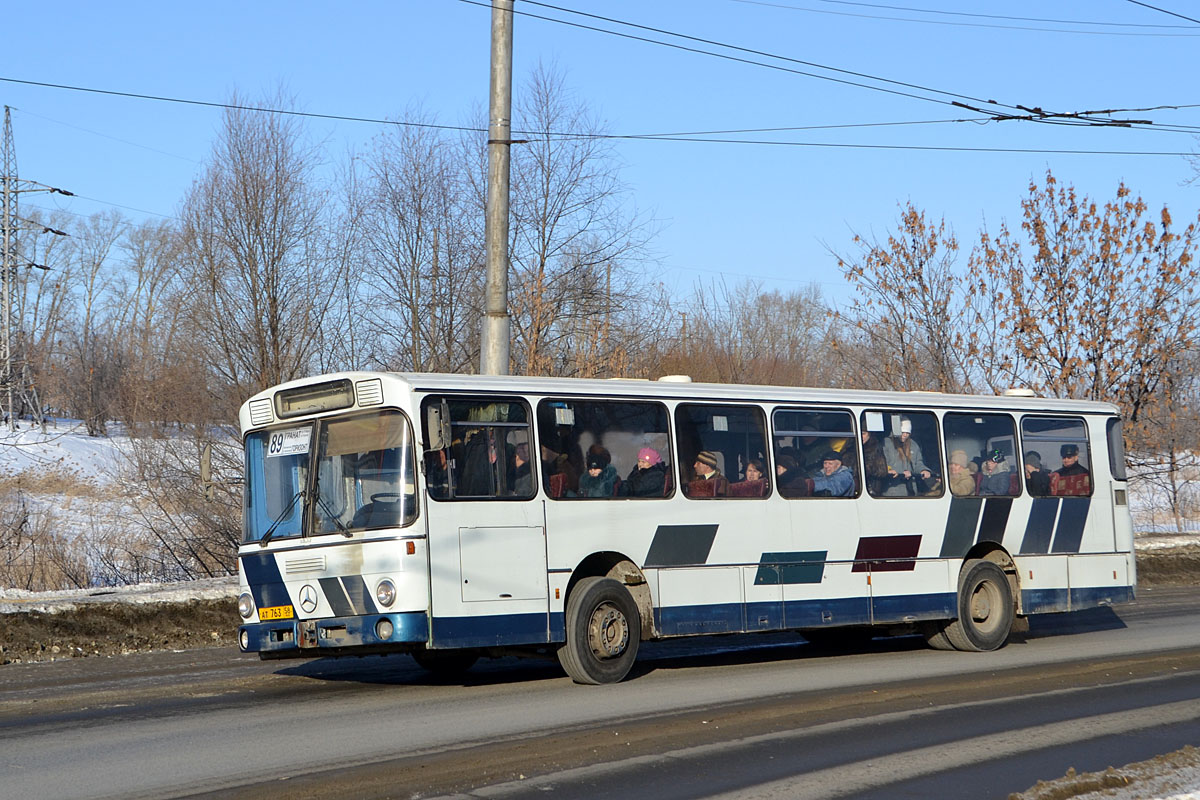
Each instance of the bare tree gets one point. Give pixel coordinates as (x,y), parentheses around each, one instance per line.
(93,362)
(262,284)
(905,321)
(1100,300)
(421,277)
(742,334)
(574,247)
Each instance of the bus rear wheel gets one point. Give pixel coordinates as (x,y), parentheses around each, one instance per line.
(604,630)
(985,609)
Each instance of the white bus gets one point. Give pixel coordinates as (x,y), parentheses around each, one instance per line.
(457,516)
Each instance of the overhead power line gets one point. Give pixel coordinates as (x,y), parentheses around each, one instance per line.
(697,137)
(995,16)
(1164,11)
(991,26)
(967,102)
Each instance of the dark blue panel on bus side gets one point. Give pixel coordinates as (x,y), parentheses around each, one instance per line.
(680,545)
(960,526)
(995,519)
(1071,519)
(490,631)
(806,566)
(1040,527)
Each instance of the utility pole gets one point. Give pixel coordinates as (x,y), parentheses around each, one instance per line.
(17,390)
(494,344)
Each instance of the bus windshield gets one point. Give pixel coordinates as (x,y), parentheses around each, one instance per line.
(332,476)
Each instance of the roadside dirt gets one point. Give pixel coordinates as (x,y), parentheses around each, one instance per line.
(116,628)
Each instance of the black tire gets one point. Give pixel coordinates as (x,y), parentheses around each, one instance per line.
(445,663)
(985,609)
(935,635)
(604,630)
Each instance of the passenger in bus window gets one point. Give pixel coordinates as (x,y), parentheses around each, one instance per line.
(874,464)
(713,483)
(600,480)
(997,478)
(834,479)
(961,482)
(792,482)
(1036,478)
(755,484)
(1072,478)
(809,450)
(648,478)
(905,462)
(521,480)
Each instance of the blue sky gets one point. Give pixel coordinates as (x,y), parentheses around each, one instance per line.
(726,211)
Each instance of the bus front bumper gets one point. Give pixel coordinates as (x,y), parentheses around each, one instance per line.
(313,638)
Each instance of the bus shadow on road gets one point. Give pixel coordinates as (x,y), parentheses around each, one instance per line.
(672,654)
(1088,620)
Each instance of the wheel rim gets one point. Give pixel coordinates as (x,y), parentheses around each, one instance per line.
(985,605)
(608,631)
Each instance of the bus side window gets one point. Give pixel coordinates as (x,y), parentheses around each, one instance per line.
(722,451)
(488,455)
(1056,456)
(604,449)
(982,455)
(815,454)
(902,452)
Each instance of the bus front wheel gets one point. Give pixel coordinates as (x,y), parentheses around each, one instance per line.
(985,609)
(603,632)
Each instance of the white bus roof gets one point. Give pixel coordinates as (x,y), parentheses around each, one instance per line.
(678,390)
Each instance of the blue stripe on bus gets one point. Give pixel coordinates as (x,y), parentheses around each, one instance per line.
(409,627)
(1071,519)
(360,596)
(806,566)
(995,519)
(960,526)
(1045,601)
(490,631)
(266,582)
(336,597)
(764,616)
(1040,527)
(913,607)
(678,545)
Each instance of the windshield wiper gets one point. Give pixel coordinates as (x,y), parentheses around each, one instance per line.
(287,512)
(333,517)
(325,506)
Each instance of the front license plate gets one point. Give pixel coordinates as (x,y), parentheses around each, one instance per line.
(276,612)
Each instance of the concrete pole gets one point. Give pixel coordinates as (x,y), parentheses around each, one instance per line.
(494,344)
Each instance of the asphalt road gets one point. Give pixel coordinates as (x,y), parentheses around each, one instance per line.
(755,716)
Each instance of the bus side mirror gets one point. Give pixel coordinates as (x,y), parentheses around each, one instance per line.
(437,426)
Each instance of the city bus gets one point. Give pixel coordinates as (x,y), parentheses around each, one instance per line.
(459,516)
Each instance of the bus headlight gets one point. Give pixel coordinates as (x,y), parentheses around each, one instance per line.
(385,593)
(245,605)
(384,629)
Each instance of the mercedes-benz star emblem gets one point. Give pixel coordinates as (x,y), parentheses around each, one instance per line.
(308,598)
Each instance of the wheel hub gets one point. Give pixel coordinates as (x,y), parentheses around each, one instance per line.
(608,631)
